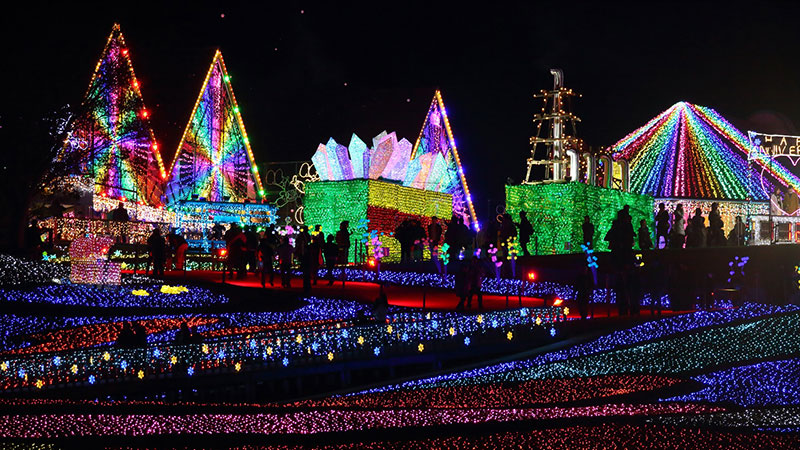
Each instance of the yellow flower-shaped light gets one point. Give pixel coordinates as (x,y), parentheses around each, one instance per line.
(140,374)
(420,347)
(299,339)
(480,318)
(238,366)
(205,348)
(389,329)
(106,356)
(361,340)
(39,383)
(452,331)
(173,289)
(3,366)
(74,369)
(566,311)
(538,320)
(509,335)
(269,351)
(330,356)
(174,359)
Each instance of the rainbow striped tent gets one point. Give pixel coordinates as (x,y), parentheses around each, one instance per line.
(691,151)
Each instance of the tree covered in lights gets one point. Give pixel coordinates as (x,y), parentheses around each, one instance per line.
(109,143)
(214,160)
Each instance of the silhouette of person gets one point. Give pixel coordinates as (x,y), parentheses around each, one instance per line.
(525,232)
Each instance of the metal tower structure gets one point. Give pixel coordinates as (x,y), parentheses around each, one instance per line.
(559,121)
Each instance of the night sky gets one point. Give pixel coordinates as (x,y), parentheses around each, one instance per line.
(303,72)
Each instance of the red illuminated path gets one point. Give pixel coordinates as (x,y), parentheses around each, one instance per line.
(406,296)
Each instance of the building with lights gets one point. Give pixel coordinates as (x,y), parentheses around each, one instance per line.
(690,154)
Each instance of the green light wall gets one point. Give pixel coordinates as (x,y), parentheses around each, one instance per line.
(328,203)
(556,212)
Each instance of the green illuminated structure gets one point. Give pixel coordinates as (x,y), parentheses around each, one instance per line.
(385,205)
(556,211)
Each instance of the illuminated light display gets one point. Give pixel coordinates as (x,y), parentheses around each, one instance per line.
(136,211)
(688,151)
(556,212)
(761,384)
(196,218)
(768,337)
(16,271)
(214,160)
(500,395)
(110,140)
(89,263)
(631,339)
(384,205)
(387,160)
(444,170)
(93,335)
(492,285)
(617,374)
(233,338)
(775,419)
(71,228)
(431,164)
(304,422)
(605,435)
(125,296)
(773,154)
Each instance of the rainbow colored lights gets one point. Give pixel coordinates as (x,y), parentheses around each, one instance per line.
(690,151)
(110,140)
(442,163)
(214,160)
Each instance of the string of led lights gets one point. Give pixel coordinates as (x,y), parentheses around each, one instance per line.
(125,296)
(618,340)
(767,338)
(497,395)
(38,368)
(761,384)
(305,422)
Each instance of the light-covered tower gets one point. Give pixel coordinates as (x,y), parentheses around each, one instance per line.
(559,122)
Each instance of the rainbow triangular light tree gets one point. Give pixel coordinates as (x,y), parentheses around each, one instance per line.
(109,142)
(444,172)
(214,160)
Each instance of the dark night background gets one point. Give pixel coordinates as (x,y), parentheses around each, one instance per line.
(303,72)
